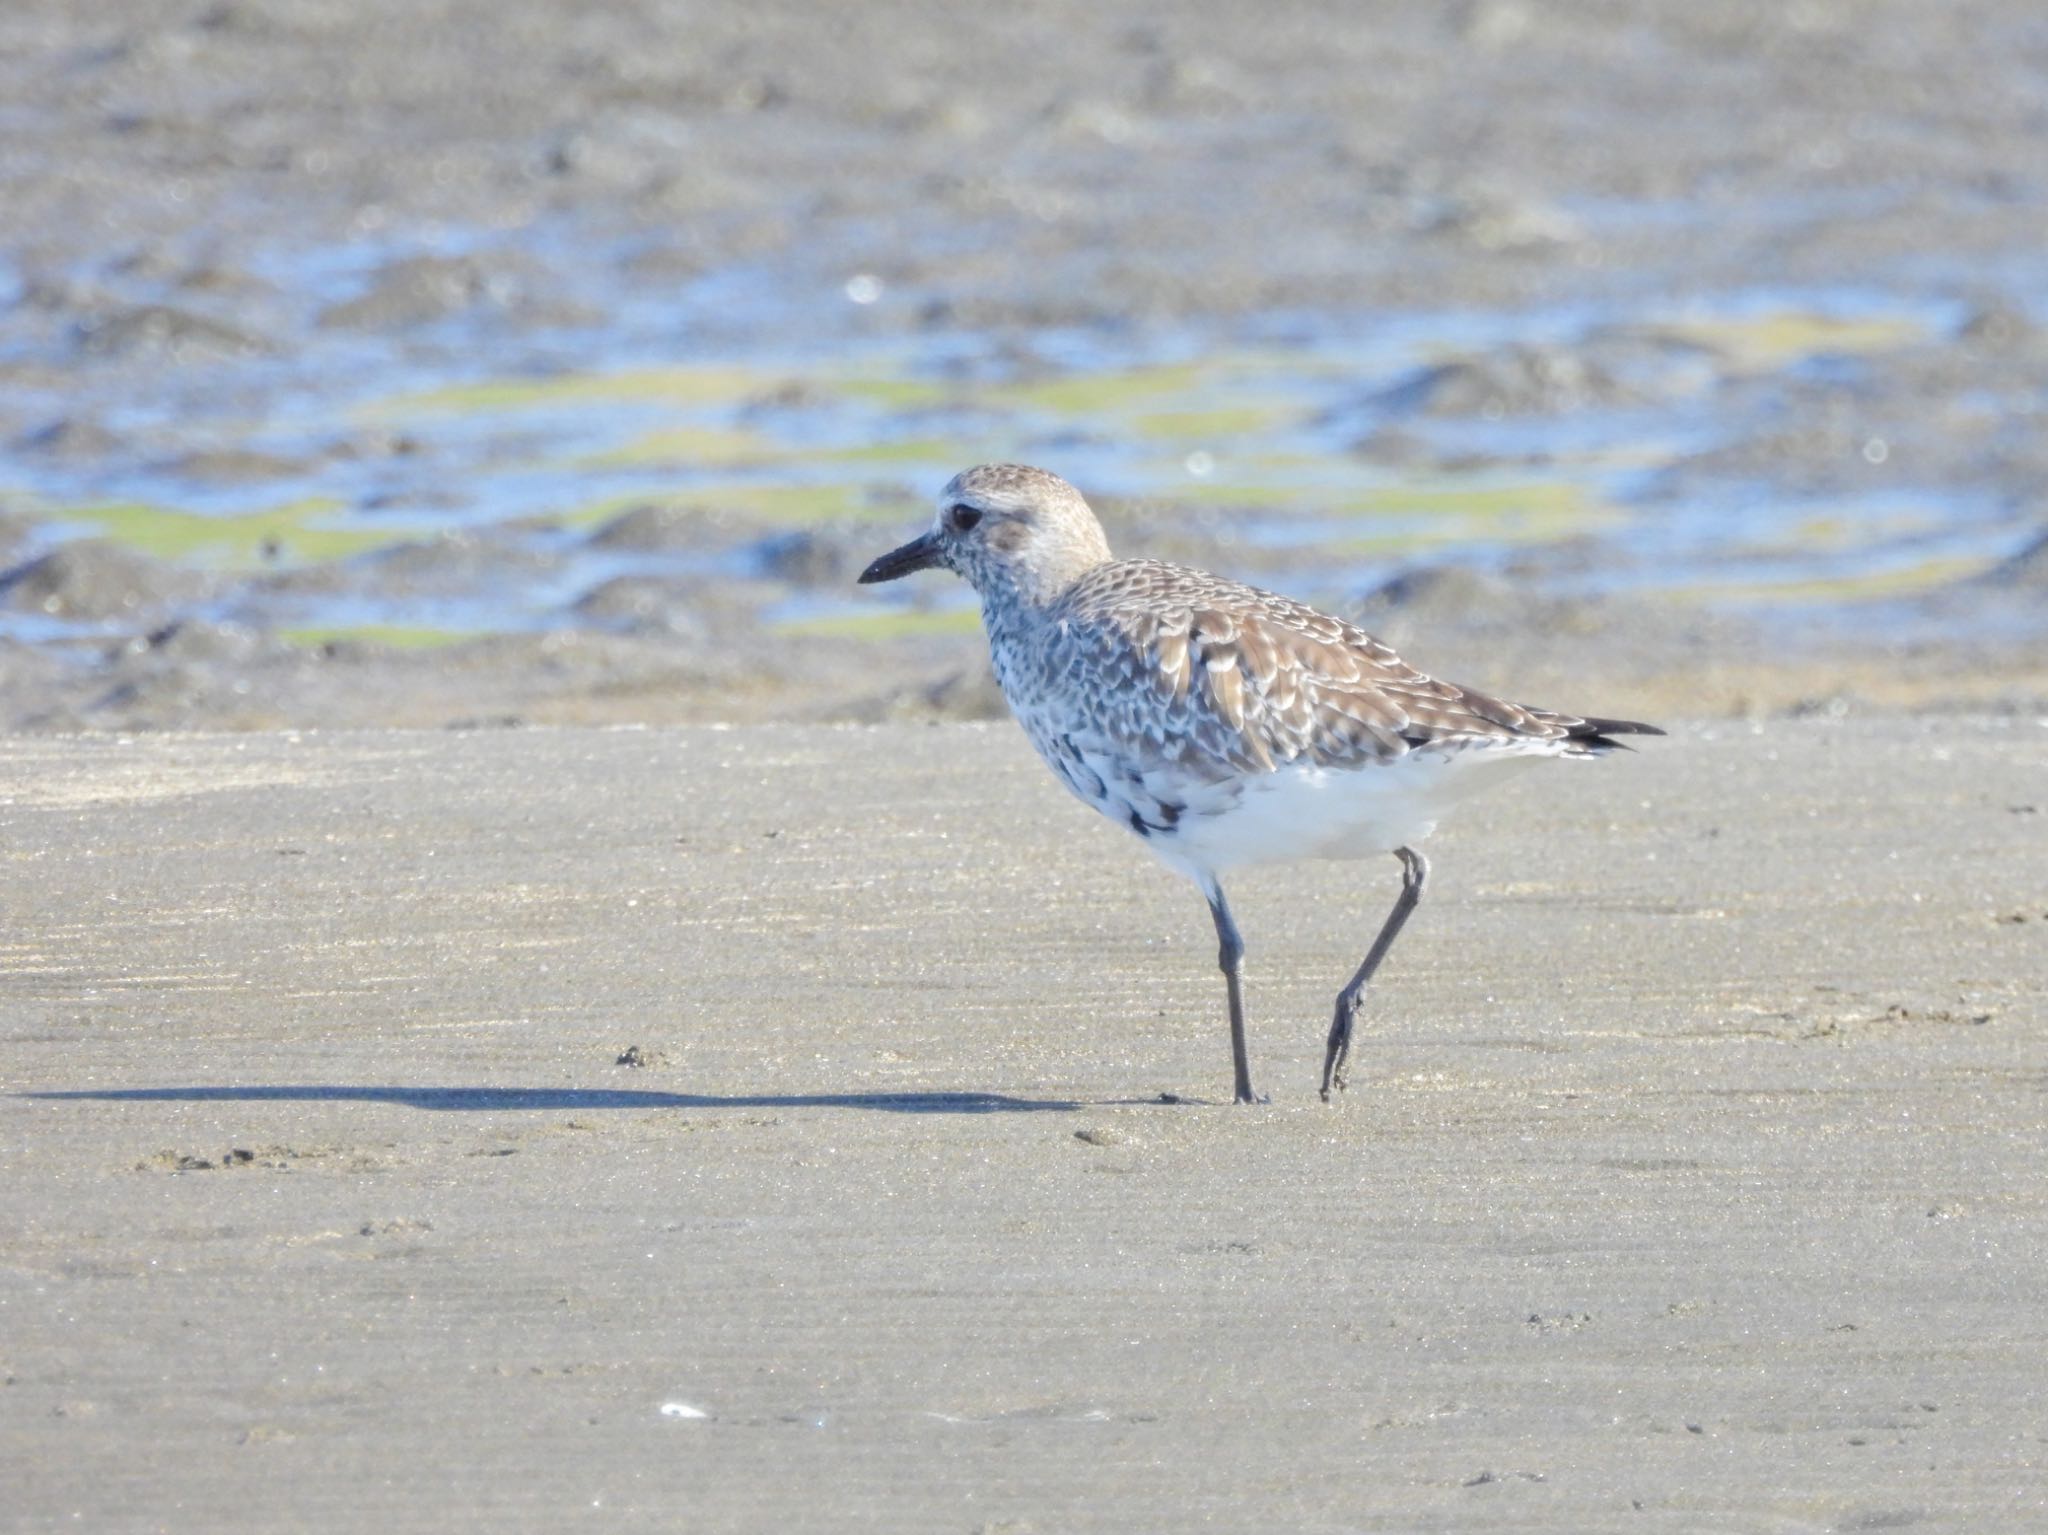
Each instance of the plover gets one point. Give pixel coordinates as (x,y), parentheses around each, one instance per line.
(1221,724)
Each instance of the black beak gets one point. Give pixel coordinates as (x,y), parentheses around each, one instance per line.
(918,554)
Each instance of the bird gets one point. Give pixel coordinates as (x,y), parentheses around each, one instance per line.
(1221,724)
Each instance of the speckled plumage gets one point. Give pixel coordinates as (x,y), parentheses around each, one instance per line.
(1221,723)
(1149,686)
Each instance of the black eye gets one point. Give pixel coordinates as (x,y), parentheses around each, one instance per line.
(963,517)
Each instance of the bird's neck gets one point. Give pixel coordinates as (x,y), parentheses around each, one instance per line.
(1035,585)
(1020,600)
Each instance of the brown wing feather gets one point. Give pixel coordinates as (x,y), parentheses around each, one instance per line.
(1224,679)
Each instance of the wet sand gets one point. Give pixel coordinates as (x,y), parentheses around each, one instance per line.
(1694,1176)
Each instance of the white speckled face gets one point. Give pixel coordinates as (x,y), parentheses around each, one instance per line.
(1014,530)
(1019,535)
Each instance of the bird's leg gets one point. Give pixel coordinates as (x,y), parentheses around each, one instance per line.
(1230,951)
(1414,874)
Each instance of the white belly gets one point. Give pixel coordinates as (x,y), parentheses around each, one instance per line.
(1302,811)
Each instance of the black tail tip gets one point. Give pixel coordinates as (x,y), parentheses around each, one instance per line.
(1616,728)
(1597,734)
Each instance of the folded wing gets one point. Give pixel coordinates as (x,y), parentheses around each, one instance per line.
(1223,679)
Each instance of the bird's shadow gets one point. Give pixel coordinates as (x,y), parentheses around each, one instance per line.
(474,1099)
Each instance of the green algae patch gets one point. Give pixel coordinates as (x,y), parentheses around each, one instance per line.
(291,534)
(1094,394)
(889,392)
(1903,580)
(1843,534)
(667,386)
(1769,341)
(887,624)
(385,636)
(1444,530)
(719,447)
(905,450)
(1199,426)
(1495,511)
(1553,503)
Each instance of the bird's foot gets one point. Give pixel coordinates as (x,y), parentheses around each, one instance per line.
(1338,1053)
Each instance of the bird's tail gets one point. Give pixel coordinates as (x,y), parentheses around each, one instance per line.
(1595,737)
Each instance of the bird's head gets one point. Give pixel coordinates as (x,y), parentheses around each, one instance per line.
(1008,529)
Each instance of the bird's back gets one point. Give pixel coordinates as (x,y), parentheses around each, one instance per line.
(1165,663)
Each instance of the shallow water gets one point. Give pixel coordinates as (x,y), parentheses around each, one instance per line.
(1323,452)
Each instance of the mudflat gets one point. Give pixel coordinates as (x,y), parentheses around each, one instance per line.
(460,361)
(816,1128)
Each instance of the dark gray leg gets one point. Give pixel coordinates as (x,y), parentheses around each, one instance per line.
(1230,951)
(1414,874)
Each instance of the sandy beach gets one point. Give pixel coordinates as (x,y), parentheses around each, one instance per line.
(530,1001)
(1694,1176)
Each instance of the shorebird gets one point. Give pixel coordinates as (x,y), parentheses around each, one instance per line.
(1221,724)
